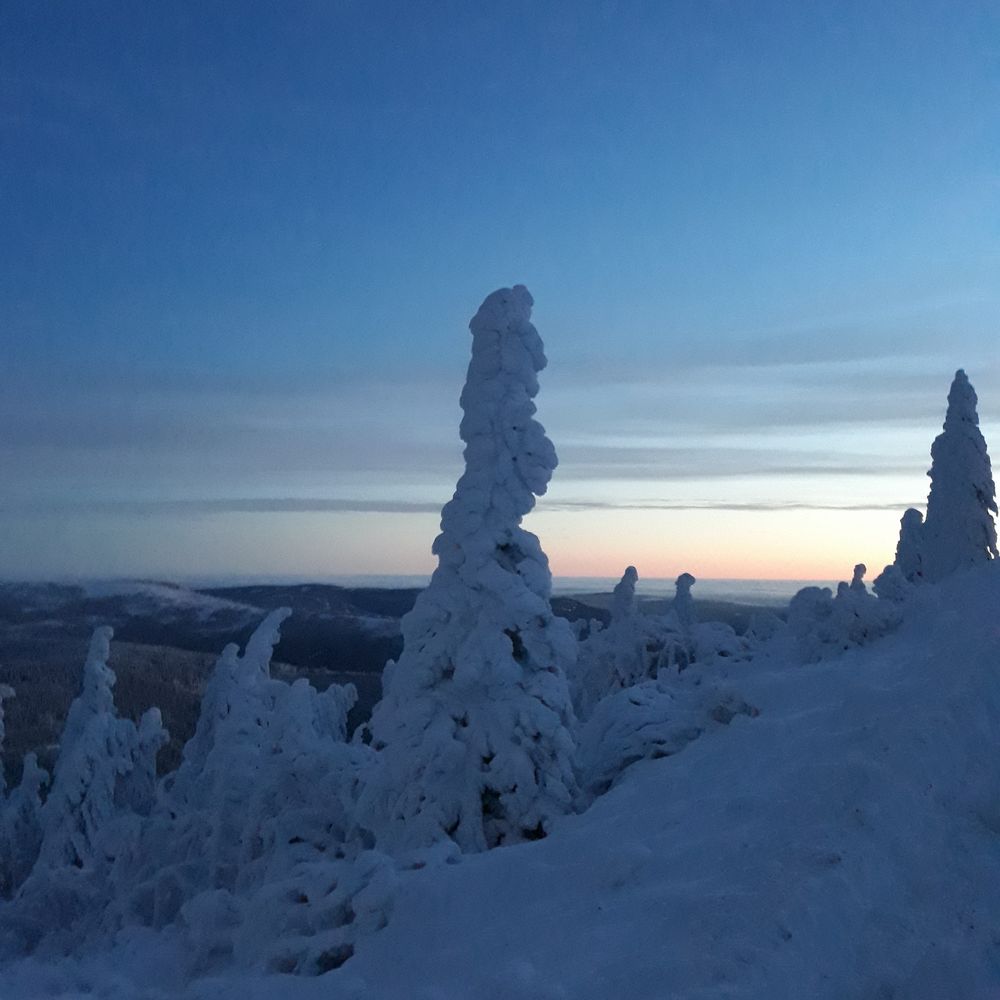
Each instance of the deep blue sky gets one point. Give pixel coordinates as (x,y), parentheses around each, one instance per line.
(241,243)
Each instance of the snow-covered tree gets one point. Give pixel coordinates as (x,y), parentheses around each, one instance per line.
(611,658)
(20,827)
(683,606)
(98,755)
(251,851)
(909,549)
(821,624)
(101,785)
(474,729)
(959,531)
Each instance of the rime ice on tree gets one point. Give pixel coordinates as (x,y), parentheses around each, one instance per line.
(909,556)
(475,724)
(683,606)
(611,658)
(959,531)
(103,765)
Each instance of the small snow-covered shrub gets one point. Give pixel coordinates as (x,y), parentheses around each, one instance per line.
(251,852)
(102,785)
(822,625)
(612,658)
(654,719)
(678,640)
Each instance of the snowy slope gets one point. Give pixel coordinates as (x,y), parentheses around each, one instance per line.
(845,843)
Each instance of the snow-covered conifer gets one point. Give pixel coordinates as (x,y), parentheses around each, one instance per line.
(474,728)
(959,531)
(137,791)
(20,831)
(683,606)
(20,827)
(251,848)
(611,658)
(6,692)
(822,625)
(96,753)
(623,596)
(909,549)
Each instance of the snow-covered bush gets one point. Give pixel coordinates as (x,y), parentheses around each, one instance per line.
(473,731)
(102,784)
(959,531)
(248,852)
(678,639)
(654,719)
(611,658)
(822,625)
(251,852)
(20,827)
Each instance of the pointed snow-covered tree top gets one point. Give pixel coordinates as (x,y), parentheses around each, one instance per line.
(96,696)
(475,723)
(959,531)
(95,752)
(623,596)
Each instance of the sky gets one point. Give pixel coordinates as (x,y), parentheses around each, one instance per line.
(241,245)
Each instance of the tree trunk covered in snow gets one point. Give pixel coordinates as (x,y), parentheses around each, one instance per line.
(474,728)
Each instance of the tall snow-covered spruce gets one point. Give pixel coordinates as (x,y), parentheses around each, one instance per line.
(474,728)
(959,531)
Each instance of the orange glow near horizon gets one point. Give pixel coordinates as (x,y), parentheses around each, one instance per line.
(714,544)
(790,545)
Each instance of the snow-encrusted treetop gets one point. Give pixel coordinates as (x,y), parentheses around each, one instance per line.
(909,549)
(623,596)
(610,658)
(508,458)
(683,605)
(959,531)
(476,716)
(97,690)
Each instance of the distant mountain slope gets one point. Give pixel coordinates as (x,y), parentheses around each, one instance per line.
(167,637)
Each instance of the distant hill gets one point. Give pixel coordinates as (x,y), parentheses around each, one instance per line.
(167,639)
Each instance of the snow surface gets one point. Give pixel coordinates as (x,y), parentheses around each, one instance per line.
(844,843)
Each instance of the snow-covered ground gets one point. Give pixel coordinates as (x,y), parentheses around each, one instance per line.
(844,843)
